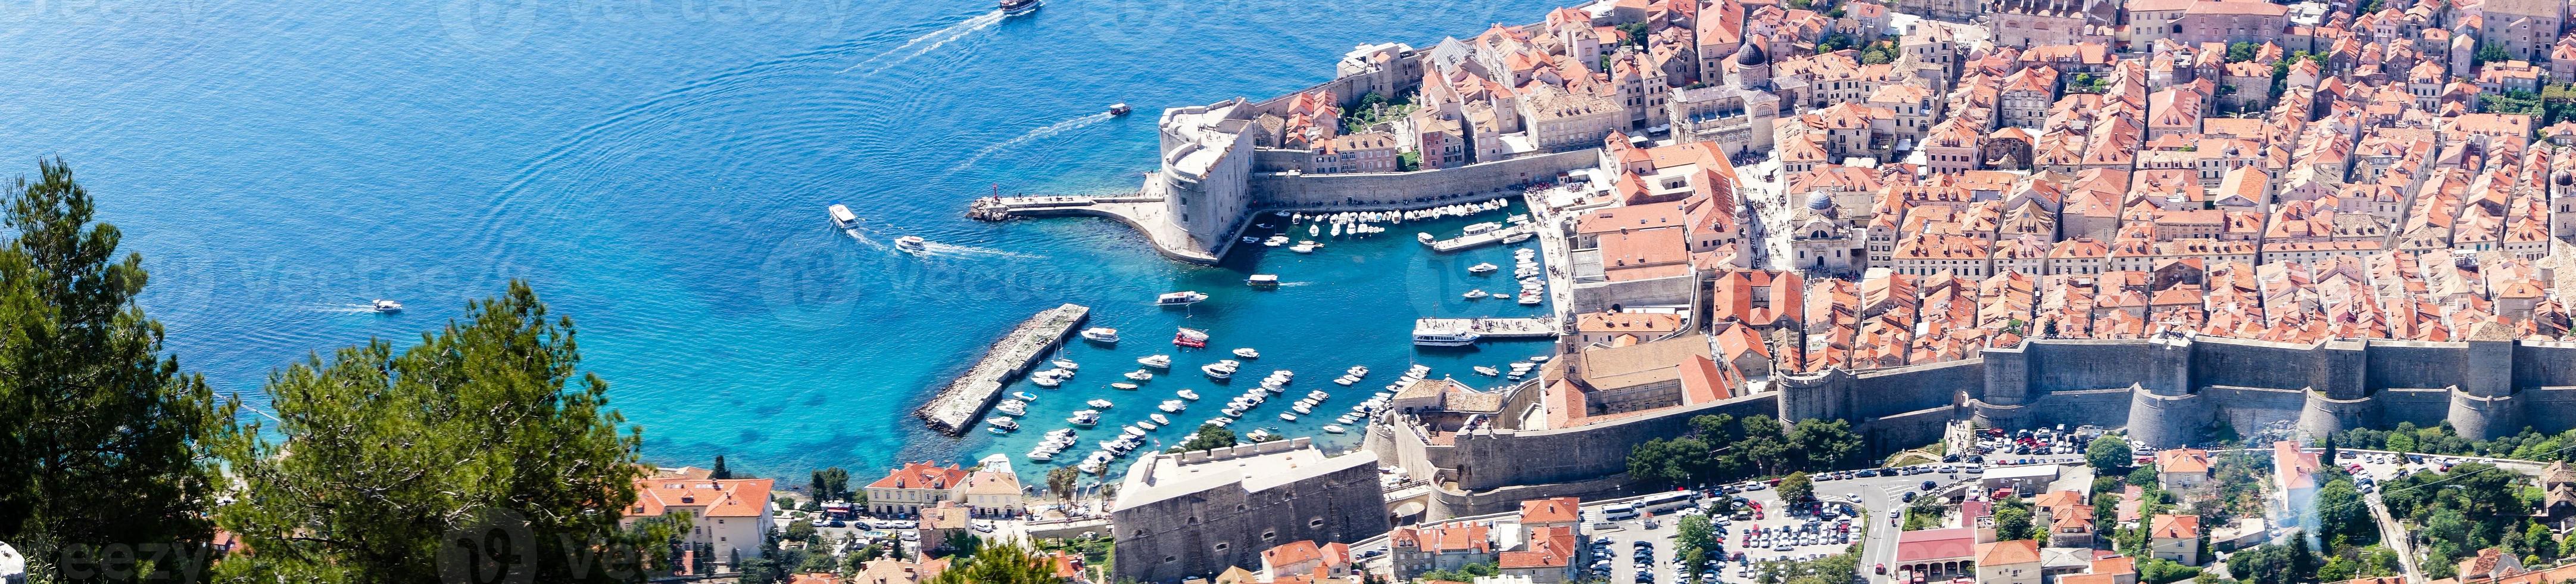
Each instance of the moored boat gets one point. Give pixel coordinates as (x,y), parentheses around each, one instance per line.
(1155,361)
(1099,403)
(1247,353)
(1140,375)
(1100,334)
(1190,337)
(1332,429)
(1123,386)
(1181,298)
(1187,395)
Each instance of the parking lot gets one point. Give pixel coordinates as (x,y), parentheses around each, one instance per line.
(1851,506)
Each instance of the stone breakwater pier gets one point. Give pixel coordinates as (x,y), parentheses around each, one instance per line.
(1490,328)
(956,408)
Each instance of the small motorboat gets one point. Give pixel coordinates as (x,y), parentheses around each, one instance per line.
(1155,361)
(842,217)
(1024,396)
(1222,369)
(1528,299)
(1098,403)
(1003,424)
(1303,248)
(1347,418)
(385,306)
(1232,411)
(1119,109)
(1066,364)
(1019,7)
(1133,430)
(1475,294)
(1538,359)
(1100,335)
(1346,380)
(1159,419)
(911,243)
(1172,406)
(1181,298)
(1358,371)
(1084,418)
(1044,380)
(1302,408)
(1041,456)
(1012,407)
(1190,337)
(1260,435)
(1262,280)
(1275,241)
(1487,371)
(1518,237)
(1123,386)
(1287,417)
(1485,268)
(1187,395)
(1247,353)
(1140,375)
(1148,424)
(1332,429)
(1219,422)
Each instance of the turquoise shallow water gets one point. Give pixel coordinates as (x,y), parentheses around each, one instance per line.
(658,169)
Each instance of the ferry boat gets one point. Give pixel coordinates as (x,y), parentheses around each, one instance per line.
(1155,361)
(842,217)
(911,243)
(1019,7)
(1099,403)
(1262,280)
(385,306)
(1247,353)
(1444,338)
(1100,335)
(1120,109)
(1486,227)
(1190,337)
(1181,298)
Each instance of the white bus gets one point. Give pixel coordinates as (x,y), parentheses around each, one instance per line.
(1619,512)
(1666,502)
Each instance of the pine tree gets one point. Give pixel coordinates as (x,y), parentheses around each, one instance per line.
(103,437)
(483,428)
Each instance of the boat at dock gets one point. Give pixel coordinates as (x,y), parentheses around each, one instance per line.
(1181,298)
(1518,237)
(1024,396)
(1486,227)
(1159,419)
(842,217)
(1190,337)
(1247,353)
(1155,361)
(1012,407)
(1066,364)
(1287,417)
(1444,338)
(1487,371)
(1003,425)
(1333,429)
(1148,425)
(1049,378)
(1100,335)
(1221,370)
(1173,406)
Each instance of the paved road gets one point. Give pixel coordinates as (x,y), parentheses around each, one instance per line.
(1884,498)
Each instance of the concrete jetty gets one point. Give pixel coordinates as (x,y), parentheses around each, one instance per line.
(957,407)
(1480,239)
(1491,328)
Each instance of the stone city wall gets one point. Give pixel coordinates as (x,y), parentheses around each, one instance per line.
(1490,460)
(1323,191)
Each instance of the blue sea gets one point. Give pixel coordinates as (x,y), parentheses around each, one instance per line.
(658,170)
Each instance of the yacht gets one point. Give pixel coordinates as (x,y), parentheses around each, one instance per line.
(1528,299)
(1172,406)
(1187,395)
(1066,364)
(1483,268)
(1301,408)
(1247,353)
(1148,425)
(1262,280)
(1003,424)
(1012,407)
(1159,419)
(1123,386)
(1084,418)
(1098,403)
(1155,361)
(911,243)
(842,217)
(1445,339)
(386,306)
(1307,247)
(1221,369)
(1487,371)
(1140,375)
(1332,429)
(1181,298)
(1190,337)
(1100,335)
(1475,294)
(1047,378)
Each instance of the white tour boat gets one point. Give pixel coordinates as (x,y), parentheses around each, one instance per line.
(911,243)
(842,217)
(1100,334)
(1181,298)
(1262,280)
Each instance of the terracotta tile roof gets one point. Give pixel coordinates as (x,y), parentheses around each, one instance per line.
(921,475)
(2168,526)
(1937,544)
(2020,551)
(1555,510)
(703,497)
(2183,460)
(1292,553)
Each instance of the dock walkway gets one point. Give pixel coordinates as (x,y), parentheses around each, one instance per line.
(1491,328)
(1480,239)
(956,408)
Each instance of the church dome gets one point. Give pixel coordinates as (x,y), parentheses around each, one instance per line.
(1819,201)
(1751,55)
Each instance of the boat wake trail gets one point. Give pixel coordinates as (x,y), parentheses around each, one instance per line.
(345,308)
(933,248)
(854,233)
(1033,135)
(936,39)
